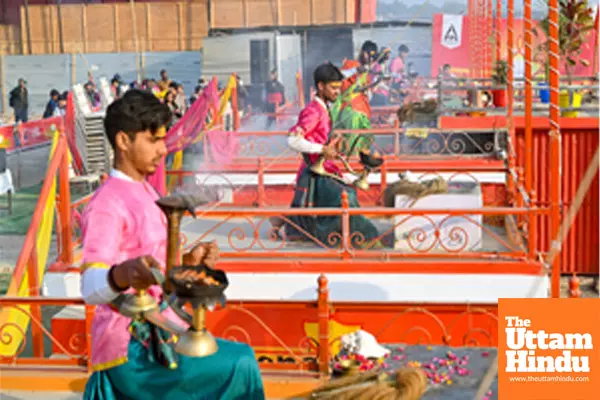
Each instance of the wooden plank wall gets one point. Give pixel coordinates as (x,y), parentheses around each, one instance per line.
(10,39)
(256,13)
(173,26)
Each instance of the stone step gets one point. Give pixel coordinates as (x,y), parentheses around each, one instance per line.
(28,395)
(60,384)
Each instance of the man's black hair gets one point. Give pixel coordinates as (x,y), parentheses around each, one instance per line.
(403,49)
(370,47)
(135,112)
(327,73)
(446,66)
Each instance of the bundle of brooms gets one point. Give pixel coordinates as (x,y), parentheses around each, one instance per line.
(407,383)
(418,112)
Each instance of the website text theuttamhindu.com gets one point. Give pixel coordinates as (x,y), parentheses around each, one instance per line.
(530,378)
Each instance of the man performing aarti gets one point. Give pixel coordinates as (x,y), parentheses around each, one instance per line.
(124,235)
(352,109)
(312,137)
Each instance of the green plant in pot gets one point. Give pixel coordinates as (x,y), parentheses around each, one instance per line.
(575,20)
(500,78)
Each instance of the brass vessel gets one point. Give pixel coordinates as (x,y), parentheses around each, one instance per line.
(368,162)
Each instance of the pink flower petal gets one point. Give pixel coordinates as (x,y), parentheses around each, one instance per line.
(489,393)
(485,354)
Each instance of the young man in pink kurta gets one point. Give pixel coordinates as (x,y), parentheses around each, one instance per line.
(312,136)
(124,234)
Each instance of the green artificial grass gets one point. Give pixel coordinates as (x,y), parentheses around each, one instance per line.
(24,202)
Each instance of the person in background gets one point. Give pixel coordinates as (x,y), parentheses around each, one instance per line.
(19,101)
(170,102)
(92,95)
(61,107)
(446,72)
(52,104)
(196,95)
(275,96)
(164,81)
(115,86)
(397,67)
(242,96)
(180,99)
(381,91)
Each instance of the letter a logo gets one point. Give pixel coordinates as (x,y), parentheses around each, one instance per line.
(452,31)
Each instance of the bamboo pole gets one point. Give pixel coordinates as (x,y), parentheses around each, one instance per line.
(61,43)
(555,139)
(148,28)
(84,29)
(4,96)
(27,27)
(135,39)
(116,27)
(528,99)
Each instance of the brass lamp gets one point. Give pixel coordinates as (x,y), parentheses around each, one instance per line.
(369,162)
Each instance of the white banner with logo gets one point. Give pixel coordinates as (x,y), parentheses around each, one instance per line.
(452,31)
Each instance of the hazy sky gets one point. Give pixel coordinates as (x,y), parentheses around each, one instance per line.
(536,4)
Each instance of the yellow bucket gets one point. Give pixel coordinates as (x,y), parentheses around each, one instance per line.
(563,101)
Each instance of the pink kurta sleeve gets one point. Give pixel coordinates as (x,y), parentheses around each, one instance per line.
(307,122)
(101,229)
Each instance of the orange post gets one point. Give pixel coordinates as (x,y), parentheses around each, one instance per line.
(323,316)
(37,334)
(65,210)
(510,93)
(261,182)
(555,139)
(299,84)
(498,31)
(532,227)
(345,227)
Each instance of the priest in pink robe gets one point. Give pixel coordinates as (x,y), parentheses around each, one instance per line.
(312,136)
(124,234)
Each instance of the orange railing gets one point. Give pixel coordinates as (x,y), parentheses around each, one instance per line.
(259,324)
(27,262)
